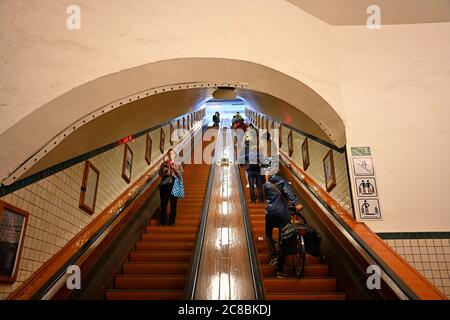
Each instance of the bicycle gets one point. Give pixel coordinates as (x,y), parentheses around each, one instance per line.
(299,255)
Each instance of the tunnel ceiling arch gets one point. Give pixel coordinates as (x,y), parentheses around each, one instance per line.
(155,92)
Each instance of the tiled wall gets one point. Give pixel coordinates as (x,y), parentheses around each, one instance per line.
(52,203)
(430,256)
(317,151)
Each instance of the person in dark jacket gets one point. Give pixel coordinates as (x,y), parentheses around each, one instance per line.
(280,197)
(216,118)
(168,170)
(253,168)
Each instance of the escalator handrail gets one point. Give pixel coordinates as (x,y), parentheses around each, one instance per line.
(254,262)
(195,264)
(407,291)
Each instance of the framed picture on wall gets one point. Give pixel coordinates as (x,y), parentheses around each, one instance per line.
(171,134)
(329,173)
(127,164)
(290,142)
(89,187)
(13,225)
(280,136)
(305,154)
(148,149)
(162,137)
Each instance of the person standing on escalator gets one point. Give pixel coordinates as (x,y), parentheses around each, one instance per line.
(280,197)
(168,171)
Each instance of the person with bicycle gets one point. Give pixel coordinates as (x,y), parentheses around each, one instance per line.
(280,198)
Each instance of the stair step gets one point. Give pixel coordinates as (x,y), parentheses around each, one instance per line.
(178,222)
(160,256)
(164,246)
(320,270)
(306,296)
(171,229)
(288,285)
(167,237)
(144,295)
(150,282)
(155,268)
(310,260)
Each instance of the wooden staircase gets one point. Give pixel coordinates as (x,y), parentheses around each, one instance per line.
(158,266)
(316,283)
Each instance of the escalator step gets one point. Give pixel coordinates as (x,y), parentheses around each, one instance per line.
(150,282)
(294,284)
(144,295)
(155,268)
(162,256)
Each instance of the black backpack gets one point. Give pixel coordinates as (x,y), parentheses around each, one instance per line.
(288,239)
(312,239)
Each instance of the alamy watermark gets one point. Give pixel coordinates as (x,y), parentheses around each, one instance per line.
(74,279)
(374,19)
(374,279)
(73,21)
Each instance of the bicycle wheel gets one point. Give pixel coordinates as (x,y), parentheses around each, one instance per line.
(299,259)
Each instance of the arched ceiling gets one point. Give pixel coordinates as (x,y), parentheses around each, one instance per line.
(354,12)
(111,107)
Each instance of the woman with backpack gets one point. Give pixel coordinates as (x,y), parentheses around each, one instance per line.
(169,171)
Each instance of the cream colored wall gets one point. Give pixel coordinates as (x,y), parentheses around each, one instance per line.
(42,59)
(395,86)
(52,203)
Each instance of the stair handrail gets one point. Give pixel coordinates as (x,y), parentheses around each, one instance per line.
(254,262)
(195,263)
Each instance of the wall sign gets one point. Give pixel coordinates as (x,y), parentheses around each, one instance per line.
(365,184)
(369,208)
(366,187)
(363,166)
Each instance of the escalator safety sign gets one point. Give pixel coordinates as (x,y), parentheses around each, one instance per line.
(366,190)
(369,208)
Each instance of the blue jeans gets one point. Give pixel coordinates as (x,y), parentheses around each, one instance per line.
(255,176)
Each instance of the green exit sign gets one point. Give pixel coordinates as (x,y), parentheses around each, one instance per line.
(361,151)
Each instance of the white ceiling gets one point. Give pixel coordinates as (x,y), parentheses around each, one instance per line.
(354,12)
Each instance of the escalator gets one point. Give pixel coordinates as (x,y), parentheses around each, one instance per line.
(316,284)
(159,265)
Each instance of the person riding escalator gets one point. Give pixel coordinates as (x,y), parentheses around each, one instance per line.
(280,197)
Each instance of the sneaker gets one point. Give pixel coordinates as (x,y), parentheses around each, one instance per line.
(273,261)
(281,275)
